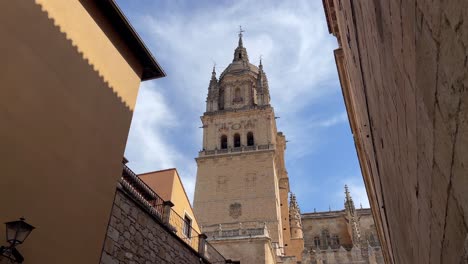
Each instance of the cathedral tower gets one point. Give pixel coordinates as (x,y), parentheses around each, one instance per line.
(241,193)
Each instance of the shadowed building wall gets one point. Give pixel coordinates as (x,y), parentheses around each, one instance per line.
(403,68)
(69,75)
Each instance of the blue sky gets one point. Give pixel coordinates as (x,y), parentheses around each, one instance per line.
(188,37)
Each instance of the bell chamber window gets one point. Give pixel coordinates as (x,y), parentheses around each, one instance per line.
(250,139)
(237,141)
(223,142)
(237,96)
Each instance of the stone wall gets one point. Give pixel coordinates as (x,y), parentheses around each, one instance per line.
(134,236)
(403,70)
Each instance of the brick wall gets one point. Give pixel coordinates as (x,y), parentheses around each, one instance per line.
(404,74)
(134,236)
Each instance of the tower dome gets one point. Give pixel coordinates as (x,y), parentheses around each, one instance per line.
(241,85)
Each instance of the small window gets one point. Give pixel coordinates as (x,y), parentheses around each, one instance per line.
(317,241)
(223,142)
(250,139)
(187,226)
(237,141)
(336,241)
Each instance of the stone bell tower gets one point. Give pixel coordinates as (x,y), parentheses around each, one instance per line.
(241,193)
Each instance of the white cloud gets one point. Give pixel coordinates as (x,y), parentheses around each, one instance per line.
(333,120)
(148,141)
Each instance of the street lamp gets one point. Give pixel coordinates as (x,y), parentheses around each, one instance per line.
(16,233)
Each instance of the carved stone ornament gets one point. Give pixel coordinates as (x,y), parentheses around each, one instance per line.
(236,126)
(235,210)
(223,128)
(249,124)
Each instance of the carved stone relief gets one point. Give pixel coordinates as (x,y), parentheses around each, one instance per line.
(235,210)
(250,124)
(223,128)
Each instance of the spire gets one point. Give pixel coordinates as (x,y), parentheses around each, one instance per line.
(295,217)
(348,197)
(240,36)
(213,81)
(263,93)
(240,54)
(349,204)
(293,206)
(353,218)
(213,73)
(213,92)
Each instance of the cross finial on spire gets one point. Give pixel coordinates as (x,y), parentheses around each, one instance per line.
(240,31)
(240,35)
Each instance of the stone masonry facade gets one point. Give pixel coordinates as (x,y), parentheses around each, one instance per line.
(403,68)
(135,236)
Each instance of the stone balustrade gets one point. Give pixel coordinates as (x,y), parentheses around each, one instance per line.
(231,150)
(230,230)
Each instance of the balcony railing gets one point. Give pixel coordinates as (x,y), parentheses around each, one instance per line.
(162,210)
(236,150)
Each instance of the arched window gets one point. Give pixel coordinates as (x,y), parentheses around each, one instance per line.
(237,95)
(325,238)
(317,241)
(250,139)
(223,142)
(237,141)
(336,241)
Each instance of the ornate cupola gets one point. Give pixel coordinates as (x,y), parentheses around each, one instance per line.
(241,85)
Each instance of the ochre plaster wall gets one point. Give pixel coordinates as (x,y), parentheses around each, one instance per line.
(65,118)
(168,185)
